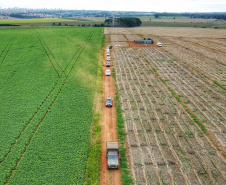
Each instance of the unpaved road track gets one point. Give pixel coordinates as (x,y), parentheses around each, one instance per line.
(108,133)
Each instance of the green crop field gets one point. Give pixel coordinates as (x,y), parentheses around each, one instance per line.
(47,86)
(41,20)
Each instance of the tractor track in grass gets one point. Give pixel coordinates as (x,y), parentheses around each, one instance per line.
(38,108)
(81,51)
(7,45)
(45,45)
(30,121)
(35,132)
(7,48)
(12,146)
(88,39)
(41,41)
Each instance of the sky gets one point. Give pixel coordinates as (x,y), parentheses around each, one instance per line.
(122,5)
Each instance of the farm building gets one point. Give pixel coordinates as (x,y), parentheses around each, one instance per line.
(144,41)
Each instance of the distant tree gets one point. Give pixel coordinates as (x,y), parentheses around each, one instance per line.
(156,16)
(54,23)
(123,22)
(59,24)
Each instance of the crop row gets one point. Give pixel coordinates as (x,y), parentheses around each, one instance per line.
(165,145)
(50,116)
(203,97)
(211,66)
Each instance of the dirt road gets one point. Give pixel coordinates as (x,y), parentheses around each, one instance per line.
(108,177)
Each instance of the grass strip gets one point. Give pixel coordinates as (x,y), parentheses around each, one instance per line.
(124,169)
(221,86)
(93,165)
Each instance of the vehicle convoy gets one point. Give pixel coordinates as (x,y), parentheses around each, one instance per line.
(108,72)
(108,64)
(112,155)
(108,102)
(108,58)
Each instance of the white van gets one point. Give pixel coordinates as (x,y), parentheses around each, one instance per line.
(108,58)
(159,44)
(108,72)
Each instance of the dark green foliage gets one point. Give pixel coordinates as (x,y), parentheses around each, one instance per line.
(124,22)
(194,15)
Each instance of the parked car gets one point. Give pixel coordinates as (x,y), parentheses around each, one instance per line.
(108,102)
(159,44)
(110,47)
(108,72)
(108,54)
(108,64)
(117,45)
(112,155)
(108,58)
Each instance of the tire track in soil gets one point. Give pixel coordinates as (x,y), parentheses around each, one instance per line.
(12,171)
(7,51)
(108,131)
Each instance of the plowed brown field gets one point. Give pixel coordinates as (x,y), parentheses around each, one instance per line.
(173,99)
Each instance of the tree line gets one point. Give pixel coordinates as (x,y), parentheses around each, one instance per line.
(194,15)
(123,22)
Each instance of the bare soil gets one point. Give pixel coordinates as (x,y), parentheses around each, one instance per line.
(109,132)
(165,145)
